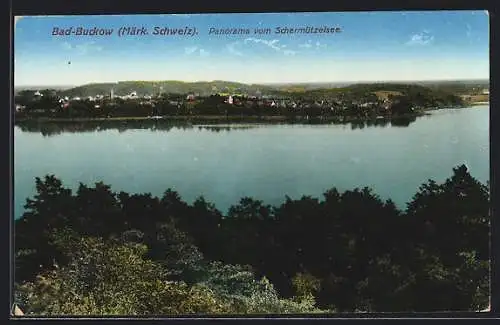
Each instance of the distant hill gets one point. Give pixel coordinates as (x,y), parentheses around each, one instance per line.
(458,87)
(450,84)
(308,86)
(220,86)
(38,87)
(171,86)
(383,89)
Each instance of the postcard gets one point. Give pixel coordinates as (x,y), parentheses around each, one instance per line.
(251,164)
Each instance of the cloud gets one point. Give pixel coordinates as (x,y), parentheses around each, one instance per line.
(88,47)
(67,46)
(468,32)
(320,45)
(190,50)
(173,15)
(271,43)
(195,50)
(179,15)
(231,47)
(235,47)
(309,44)
(422,38)
(82,48)
(204,53)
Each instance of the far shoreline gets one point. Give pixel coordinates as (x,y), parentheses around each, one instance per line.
(217,118)
(236,119)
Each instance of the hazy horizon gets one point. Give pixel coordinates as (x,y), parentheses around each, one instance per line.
(48,86)
(395,46)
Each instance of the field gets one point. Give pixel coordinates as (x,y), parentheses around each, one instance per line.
(476,98)
(384,94)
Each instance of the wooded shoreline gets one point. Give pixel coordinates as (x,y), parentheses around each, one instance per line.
(220,118)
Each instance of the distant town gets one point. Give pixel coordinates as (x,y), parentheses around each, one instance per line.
(152,100)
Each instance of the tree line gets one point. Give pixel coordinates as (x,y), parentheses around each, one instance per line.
(355,101)
(96,251)
(58,127)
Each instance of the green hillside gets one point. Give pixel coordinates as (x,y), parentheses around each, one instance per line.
(288,90)
(171,86)
(363,89)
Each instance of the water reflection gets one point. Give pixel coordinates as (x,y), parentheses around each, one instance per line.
(55,128)
(403,122)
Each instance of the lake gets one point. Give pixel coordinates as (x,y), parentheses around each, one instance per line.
(266,162)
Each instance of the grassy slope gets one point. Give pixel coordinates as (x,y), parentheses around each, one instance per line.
(382,90)
(154,87)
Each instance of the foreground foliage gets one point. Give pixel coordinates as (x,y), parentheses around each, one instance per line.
(100,252)
(114,278)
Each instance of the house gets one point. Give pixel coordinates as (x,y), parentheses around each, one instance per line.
(486,92)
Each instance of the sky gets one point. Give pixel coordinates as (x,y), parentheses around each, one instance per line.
(372,46)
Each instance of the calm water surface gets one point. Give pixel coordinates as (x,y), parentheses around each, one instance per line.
(266,162)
